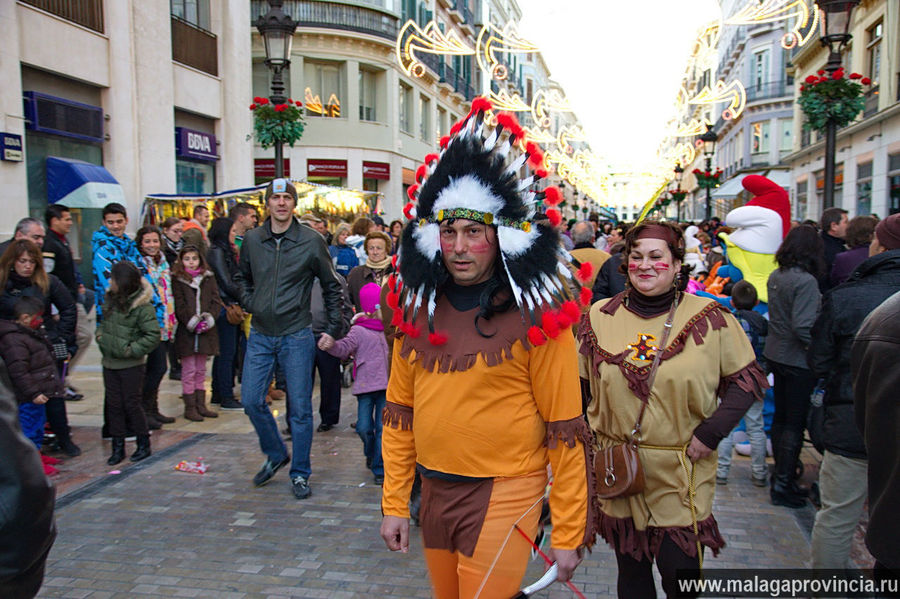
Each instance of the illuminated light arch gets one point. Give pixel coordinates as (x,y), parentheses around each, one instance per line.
(722,92)
(692,128)
(773,11)
(503,100)
(708,38)
(569,133)
(546,101)
(541,136)
(431,40)
(492,40)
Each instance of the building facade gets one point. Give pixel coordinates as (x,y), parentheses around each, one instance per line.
(867,159)
(154,92)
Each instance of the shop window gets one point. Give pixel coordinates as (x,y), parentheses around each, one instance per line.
(864,189)
(323,92)
(894,184)
(802,200)
(194,177)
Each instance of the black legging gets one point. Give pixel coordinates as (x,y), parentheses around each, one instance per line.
(793,386)
(635,579)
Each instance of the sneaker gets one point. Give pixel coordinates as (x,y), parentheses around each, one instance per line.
(721,480)
(72,395)
(231,405)
(268,470)
(300,486)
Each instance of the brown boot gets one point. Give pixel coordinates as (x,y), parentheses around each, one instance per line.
(200,402)
(153,406)
(190,407)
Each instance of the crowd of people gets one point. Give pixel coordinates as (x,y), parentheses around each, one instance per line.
(468,385)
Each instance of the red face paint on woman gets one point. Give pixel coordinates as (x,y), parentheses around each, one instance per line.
(660,266)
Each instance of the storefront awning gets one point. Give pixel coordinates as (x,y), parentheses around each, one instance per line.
(78,184)
(729,189)
(779,177)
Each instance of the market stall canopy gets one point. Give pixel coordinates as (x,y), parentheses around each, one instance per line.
(729,189)
(78,184)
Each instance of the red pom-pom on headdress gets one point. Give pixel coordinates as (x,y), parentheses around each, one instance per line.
(397,319)
(393,300)
(535,155)
(509,122)
(445,140)
(554,216)
(550,324)
(429,158)
(410,329)
(536,336)
(392,281)
(552,197)
(408,211)
(571,310)
(437,338)
(455,128)
(585,296)
(420,173)
(585,271)
(481,104)
(394,261)
(541,173)
(411,192)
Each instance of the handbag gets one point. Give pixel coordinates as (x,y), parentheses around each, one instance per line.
(234,314)
(617,469)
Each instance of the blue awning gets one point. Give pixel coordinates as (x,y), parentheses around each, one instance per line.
(78,184)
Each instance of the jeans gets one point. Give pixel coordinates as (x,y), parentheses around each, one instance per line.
(193,373)
(155,369)
(842,487)
(329,368)
(223,364)
(295,353)
(753,420)
(368,426)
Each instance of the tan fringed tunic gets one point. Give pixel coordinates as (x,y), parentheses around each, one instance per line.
(707,353)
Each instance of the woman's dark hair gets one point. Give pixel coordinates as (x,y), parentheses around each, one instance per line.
(219,231)
(14,251)
(143,232)
(128,282)
(677,249)
(803,248)
(178,267)
(860,231)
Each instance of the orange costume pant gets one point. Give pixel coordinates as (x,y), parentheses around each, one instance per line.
(455,576)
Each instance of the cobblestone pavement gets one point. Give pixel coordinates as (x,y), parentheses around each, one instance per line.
(151,531)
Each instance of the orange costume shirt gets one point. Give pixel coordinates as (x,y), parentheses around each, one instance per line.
(488,408)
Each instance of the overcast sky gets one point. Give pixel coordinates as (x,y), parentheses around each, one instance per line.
(620,63)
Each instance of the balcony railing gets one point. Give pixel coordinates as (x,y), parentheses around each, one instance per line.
(334,15)
(871,107)
(462,7)
(87,13)
(771,89)
(456,81)
(194,47)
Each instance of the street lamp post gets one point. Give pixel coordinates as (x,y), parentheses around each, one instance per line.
(277,30)
(709,140)
(836,16)
(679,173)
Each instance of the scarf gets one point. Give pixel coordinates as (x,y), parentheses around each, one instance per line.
(175,246)
(194,273)
(378,265)
(368,323)
(647,306)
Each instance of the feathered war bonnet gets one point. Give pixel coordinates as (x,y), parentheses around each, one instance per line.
(478,176)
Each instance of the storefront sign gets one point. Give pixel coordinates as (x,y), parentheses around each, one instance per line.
(264,168)
(376,170)
(11,145)
(316,167)
(195,145)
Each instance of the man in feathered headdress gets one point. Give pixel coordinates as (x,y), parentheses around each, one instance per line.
(484,390)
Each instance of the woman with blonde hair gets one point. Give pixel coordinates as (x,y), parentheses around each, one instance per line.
(343,256)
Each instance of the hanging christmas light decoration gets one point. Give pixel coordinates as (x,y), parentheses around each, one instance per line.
(413,40)
(541,136)
(773,11)
(491,40)
(733,92)
(569,133)
(504,101)
(546,101)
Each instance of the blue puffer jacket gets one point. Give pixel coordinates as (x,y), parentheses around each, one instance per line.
(344,258)
(109,249)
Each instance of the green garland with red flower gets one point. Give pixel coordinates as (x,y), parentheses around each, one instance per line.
(834,97)
(708,178)
(678,195)
(274,123)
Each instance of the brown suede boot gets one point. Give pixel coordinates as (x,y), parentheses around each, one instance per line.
(153,405)
(190,407)
(200,402)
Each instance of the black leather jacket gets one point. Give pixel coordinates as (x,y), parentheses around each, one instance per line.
(843,310)
(26,521)
(276,279)
(224,265)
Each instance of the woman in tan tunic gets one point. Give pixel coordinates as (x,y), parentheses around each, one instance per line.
(707,355)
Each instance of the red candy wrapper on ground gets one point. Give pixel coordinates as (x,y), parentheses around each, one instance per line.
(198,467)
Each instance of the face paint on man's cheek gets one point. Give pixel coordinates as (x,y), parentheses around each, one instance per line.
(661,266)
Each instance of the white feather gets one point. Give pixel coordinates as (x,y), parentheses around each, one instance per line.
(468,192)
(564,270)
(528,197)
(524,183)
(428,240)
(491,141)
(503,150)
(517,291)
(432,304)
(514,242)
(516,164)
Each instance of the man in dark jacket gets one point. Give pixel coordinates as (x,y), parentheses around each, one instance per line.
(610,280)
(876,379)
(842,478)
(27,529)
(833,225)
(278,263)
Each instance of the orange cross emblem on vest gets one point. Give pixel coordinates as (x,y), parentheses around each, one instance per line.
(643,349)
